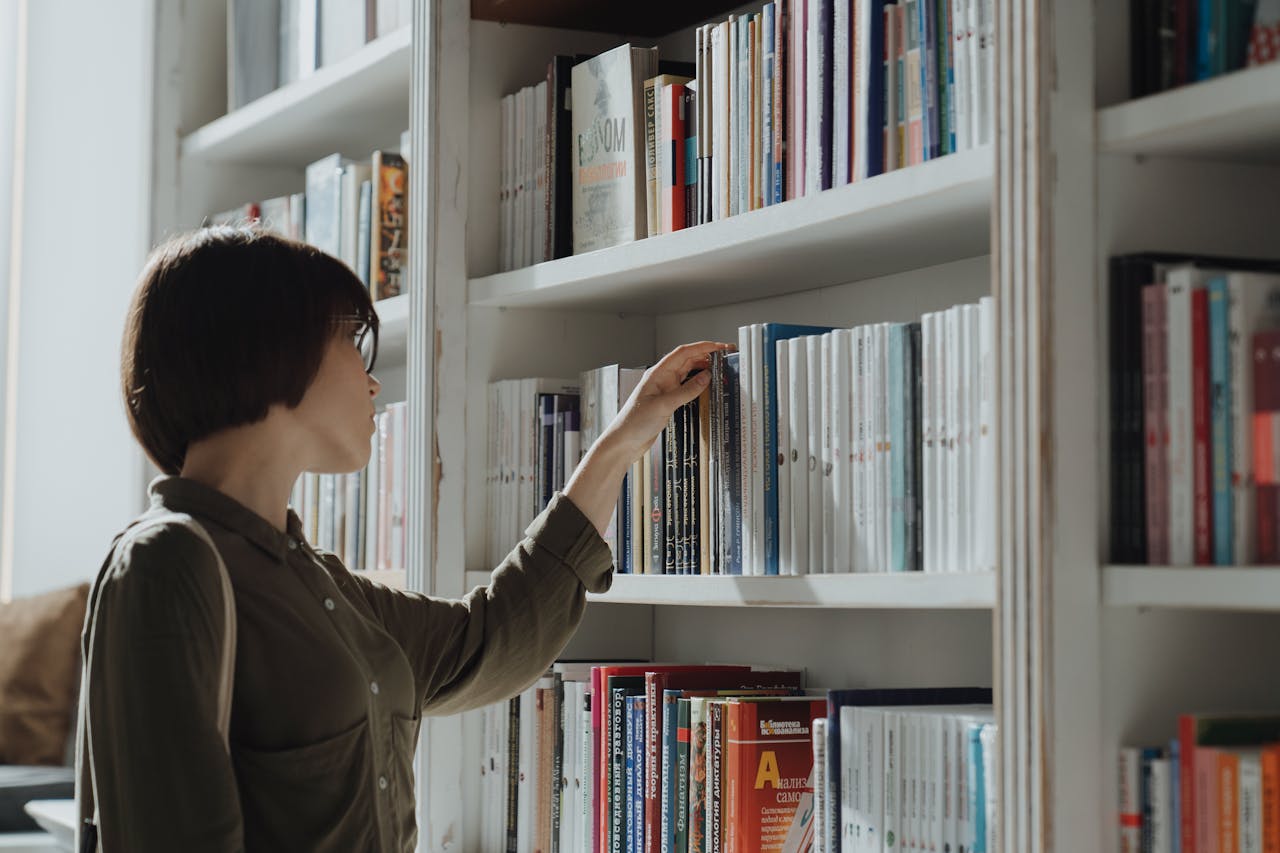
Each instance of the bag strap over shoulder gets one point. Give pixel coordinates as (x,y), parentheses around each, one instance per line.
(87,786)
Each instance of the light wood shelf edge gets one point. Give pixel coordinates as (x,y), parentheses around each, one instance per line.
(1255,588)
(887,591)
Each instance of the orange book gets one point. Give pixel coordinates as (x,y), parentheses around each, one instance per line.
(1228,808)
(1271,799)
(767,780)
(388,232)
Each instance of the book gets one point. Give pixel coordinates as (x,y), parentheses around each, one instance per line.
(1266,442)
(608,185)
(253,50)
(388,261)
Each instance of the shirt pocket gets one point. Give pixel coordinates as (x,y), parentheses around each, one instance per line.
(311,797)
(404,745)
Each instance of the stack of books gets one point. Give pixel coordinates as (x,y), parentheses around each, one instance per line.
(1195,369)
(730,759)
(1183,41)
(800,97)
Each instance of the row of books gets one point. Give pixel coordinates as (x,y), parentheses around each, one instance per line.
(1195,410)
(1175,42)
(730,759)
(813,450)
(360,517)
(272,43)
(1214,788)
(356,211)
(800,97)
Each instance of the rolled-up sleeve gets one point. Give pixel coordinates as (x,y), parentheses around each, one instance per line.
(164,779)
(497,640)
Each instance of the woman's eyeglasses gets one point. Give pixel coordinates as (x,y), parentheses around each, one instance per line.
(365,338)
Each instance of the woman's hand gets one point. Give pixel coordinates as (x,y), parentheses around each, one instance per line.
(597,481)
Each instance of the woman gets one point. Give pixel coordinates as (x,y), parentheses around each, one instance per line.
(248,360)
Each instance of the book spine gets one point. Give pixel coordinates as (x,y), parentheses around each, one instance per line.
(715,781)
(636,775)
(1266,442)
(1220,408)
(1181,488)
(1202,461)
(680,807)
(1271,799)
(669,766)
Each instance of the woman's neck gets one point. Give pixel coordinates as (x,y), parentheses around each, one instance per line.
(247,466)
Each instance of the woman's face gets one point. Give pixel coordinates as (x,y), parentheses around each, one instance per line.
(337,411)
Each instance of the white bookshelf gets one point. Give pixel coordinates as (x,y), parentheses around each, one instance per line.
(906,219)
(907,591)
(1195,588)
(1234,118)
(348,106)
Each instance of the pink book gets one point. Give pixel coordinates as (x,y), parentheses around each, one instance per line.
(1155,380)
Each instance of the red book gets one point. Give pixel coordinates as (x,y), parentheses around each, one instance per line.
(1266,442)
(673,129)
(768,769)
(1202,430)
(1155,383)
(689,678)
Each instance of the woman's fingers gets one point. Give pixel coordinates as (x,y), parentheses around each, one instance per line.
(688,357)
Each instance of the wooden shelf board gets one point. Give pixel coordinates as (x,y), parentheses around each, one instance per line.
(338,108)
(907,219)
(648,19)
(1234,117)
(1195,588)
(890,591)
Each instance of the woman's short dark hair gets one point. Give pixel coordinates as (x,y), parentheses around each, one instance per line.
(225,322)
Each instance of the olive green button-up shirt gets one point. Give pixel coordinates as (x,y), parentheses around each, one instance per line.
(332,673)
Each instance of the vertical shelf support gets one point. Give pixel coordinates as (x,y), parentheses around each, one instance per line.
(1048,622)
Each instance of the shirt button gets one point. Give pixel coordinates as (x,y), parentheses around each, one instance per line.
(293,544)
(382,783)
(328,604)
(374,687)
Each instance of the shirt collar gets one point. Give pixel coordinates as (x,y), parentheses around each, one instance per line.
(179,494)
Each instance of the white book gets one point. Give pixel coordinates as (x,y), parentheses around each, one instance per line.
(324,203)
(862,546)
(372,491)
(820,788)
(526,761)
(506,170)
(608,187)
(842,69)
(950,799)
(909,824)
(884,473)
(985,526)
(797,66)
(742,114)
(1162,828)
(798,424)
(812,145)
(866,372)
(960,60)
(757,449)
(1253,303)
(813,370)
(955,493)
(542,184)
(519,186)
(827,427)
(722,143)
(1249,803)
(532,199)
(842,471)
(990,743)
(783,459)
(966,316)
(1182,281)
(746,441)
(253,46)
(848,827)
(353,175)
(1129,806)
(343,28)
(351,512)
(935,773)
(862,94)
(986,30)
(891,774)
(928,467)
(399,488)
(733,113)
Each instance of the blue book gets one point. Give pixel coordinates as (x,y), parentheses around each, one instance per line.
(774,332)
(948,87)
(1145,804)
(1175,790)
(635,772)
(1206,60)
(767,36)
(547,443)
(977,790)
(873,133)
(1220,413)
(733,463)
(927,15)
(898,341)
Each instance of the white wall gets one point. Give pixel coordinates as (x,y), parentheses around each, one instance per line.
(85,220)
